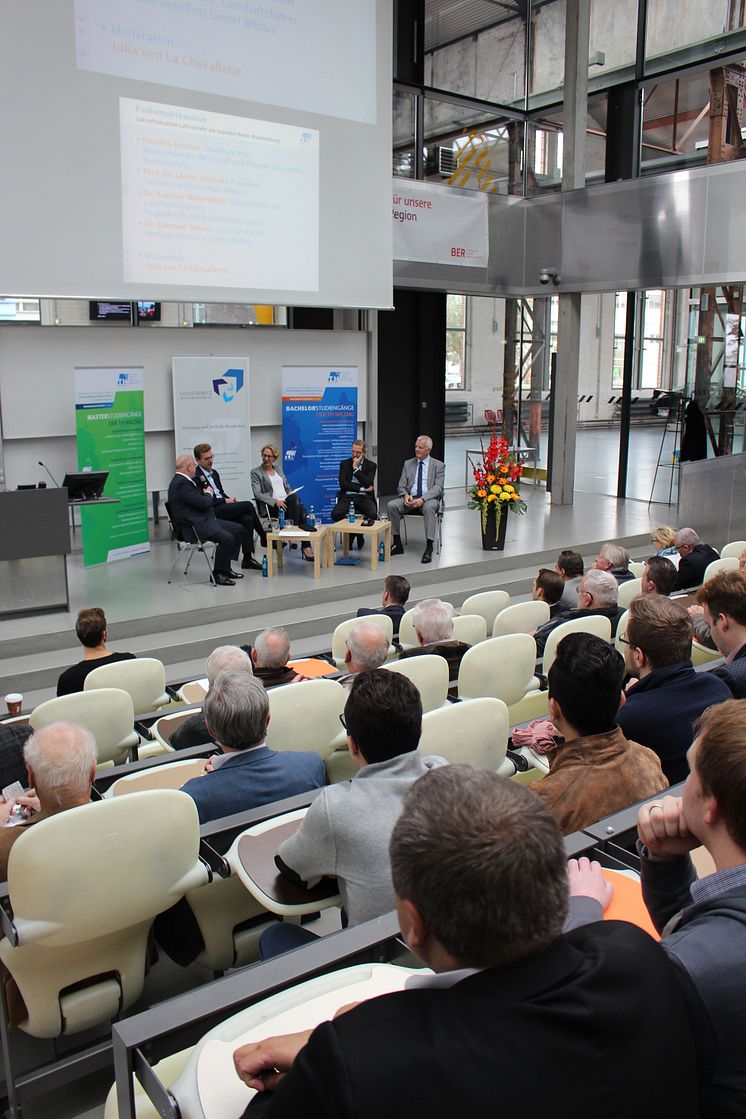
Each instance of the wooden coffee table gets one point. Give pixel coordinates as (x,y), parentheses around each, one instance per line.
(359,529)
(317,540)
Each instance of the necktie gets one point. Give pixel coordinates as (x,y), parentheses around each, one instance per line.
(419,480)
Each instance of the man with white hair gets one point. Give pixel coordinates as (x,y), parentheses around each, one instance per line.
(190,506)
(366,647)
(615,559)
(226,658)
(270,656)
(61,764)
(420,492)
(433,623)
(598,594)
(695,557)
(247,774)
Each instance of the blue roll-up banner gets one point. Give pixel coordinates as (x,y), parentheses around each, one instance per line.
(319,423)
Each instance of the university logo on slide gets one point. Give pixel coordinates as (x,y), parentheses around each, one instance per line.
(334,376)
(123,378)
(229,385)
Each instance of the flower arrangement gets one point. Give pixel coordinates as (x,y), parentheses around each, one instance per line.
(496,480)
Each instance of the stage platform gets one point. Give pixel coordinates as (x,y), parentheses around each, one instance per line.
(181,623)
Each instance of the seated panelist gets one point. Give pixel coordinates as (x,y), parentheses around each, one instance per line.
(356,477)
(227,508)
(420,493)
(271,491)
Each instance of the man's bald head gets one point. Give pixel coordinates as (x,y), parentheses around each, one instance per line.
(61,763)
(185,464)
(367,647)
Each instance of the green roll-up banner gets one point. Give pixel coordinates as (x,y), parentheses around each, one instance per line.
(110,427)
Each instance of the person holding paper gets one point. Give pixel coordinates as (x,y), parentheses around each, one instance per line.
(272,490)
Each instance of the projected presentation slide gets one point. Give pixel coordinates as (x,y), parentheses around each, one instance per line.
(218,200)
(238,48)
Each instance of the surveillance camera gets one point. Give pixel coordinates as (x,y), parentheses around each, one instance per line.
(547,274)
(544,277)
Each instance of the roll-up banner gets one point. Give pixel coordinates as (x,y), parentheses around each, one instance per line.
(319,422)
(211,405)
(110,428)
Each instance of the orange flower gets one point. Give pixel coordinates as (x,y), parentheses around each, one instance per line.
(481,493)
(491,497)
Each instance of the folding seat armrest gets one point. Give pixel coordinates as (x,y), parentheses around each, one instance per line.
(6,917)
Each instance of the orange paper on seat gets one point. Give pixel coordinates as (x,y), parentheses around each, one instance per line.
(313,667)
(627,903)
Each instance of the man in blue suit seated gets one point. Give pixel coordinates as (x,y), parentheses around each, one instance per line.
(246,773)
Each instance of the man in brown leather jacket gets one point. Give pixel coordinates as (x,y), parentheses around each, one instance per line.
(596,770)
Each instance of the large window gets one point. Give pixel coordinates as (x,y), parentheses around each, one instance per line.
(648,369)
(455,341)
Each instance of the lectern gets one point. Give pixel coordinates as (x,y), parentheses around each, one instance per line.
(34,544)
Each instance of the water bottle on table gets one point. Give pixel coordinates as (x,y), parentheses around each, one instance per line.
(311,518)
(351,513)
(281,519)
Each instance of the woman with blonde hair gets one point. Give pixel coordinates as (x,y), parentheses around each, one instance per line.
(663,540)
(272,492)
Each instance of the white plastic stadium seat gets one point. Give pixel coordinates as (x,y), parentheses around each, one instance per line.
(521,617)
(474,733)
(107,713)
(733,549)
(594,623)
(628,591)
(729,563)
(429,674)
(502,667)
(144,678)
(470,628)
(488,604)
(305,716)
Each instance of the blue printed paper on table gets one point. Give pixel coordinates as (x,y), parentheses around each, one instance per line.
(319,423)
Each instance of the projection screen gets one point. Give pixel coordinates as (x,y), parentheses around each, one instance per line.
(215,150)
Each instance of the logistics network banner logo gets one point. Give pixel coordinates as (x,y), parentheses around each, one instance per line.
(229,385)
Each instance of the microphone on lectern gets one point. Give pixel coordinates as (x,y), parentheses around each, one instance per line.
(49,472)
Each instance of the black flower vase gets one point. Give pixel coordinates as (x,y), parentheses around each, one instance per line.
(493,535)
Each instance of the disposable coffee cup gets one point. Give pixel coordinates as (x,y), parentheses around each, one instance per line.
(14,701)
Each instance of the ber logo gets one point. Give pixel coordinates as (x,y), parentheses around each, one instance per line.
(457,250)
(229,385)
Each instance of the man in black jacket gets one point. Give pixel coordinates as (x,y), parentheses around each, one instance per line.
(724,602)
(667,695)
(694,559)
(190,506)
(356,487)
(479,873)
(227,508)
(598,593)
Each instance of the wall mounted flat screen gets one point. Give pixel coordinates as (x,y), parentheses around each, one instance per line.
(103,310)
(223,151)
(148,311)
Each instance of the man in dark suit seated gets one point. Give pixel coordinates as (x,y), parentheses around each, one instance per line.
(480,876)
(393,601)
(433,624)
(357,476)
(724,602)
(549,587)
(695,558)
(598,593)
(246,773)
(227,508)
(190,506)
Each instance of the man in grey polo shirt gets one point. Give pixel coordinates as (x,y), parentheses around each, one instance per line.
(346,831)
